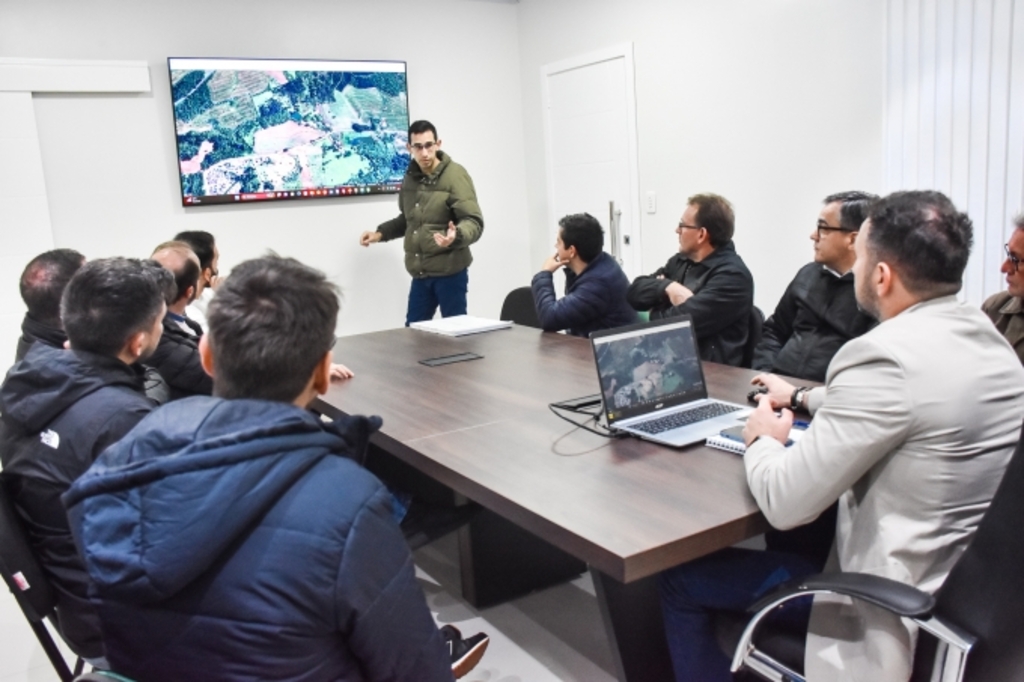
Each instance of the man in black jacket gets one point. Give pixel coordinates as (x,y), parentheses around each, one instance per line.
(177,358)
(706,280)
(42,284)
(818,313)
(816,316)
(61,408)
(595,285)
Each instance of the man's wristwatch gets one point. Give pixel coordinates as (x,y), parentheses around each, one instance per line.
(796,402)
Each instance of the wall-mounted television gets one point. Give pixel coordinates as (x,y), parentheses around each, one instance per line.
(288,129)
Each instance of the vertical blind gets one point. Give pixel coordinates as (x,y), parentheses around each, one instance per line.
(954,116)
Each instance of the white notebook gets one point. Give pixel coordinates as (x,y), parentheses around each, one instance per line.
(732,442)
(460,325)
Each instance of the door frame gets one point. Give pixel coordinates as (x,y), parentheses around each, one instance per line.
(621,51)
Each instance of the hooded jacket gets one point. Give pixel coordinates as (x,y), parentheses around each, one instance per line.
(428,204)
(177,360)
(723,295)
(241,540)
(61,409)
(595,299)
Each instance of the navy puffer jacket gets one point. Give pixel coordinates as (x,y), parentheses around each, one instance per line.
(241,540)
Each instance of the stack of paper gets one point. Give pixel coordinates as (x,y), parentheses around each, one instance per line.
(460,325)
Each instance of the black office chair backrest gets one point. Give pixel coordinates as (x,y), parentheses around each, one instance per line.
(30,586)
(22,572)
(519,308)
(754,329)
(983,594)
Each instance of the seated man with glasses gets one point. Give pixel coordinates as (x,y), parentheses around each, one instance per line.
(818,313)
(706,280)
(440,218)
(1005,308)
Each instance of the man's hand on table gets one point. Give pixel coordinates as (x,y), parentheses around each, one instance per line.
(780,391)
(764,422)
(340,372)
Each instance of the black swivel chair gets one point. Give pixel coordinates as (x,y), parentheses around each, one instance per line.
(26,580)
(519,308)
(972,630)
(755,327)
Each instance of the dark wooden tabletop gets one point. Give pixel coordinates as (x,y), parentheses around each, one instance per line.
(627,507)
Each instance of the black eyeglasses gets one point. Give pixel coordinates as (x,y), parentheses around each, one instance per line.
(828,228)
(684,226)
(420,147)
(1014,260)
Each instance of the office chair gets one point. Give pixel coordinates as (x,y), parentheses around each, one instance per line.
(971,631)
(26,580)
(102,676)
(519,308)
(755,326)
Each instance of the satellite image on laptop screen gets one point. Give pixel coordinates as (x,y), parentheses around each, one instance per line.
(647,367)
(267,129)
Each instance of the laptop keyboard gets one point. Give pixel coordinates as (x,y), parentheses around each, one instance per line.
(685,417)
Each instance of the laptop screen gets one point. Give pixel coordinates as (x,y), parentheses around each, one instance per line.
(648,367)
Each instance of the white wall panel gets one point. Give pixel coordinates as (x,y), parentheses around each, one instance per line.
(955,115)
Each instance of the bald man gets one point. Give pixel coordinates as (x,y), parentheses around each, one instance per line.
(177,356)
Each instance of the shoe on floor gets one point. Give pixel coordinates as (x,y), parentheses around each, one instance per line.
(465,653)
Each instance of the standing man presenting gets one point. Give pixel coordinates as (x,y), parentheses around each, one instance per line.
(440,218)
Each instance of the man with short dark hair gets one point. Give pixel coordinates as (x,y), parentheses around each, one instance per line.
(61,408)
(595,285)
(1006,309)
(912,463)
(205,247)
(269,550)
(177,358)
(440,218)
(42,284)
(818,312)
(706,280)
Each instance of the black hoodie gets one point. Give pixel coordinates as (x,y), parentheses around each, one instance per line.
(60,410)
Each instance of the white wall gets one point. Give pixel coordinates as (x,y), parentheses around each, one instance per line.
(772,103)
(110,162)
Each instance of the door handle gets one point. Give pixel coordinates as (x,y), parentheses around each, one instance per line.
(614,218)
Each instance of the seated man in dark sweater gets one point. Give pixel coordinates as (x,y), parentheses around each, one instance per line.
(269,552)
(595,285)
(706,280)
(61,408)
(42,284)
(816,316)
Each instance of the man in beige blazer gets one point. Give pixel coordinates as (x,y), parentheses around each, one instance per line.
(911,433)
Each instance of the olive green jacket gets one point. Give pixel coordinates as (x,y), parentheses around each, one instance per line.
(428,203)
(1007,313)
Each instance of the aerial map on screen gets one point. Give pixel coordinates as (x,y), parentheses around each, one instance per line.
(259,129)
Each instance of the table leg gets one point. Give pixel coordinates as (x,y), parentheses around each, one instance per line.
(636,632)
(500,561)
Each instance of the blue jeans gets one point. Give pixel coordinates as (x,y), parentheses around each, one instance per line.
(729,580)
(427,293)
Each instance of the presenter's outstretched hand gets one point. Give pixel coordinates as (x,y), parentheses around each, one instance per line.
(367,238)
(340,372)
(449,236)
(764,422)
(780,391)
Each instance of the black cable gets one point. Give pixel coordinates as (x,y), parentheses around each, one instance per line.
(578,409)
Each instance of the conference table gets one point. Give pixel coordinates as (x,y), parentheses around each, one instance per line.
(557,499)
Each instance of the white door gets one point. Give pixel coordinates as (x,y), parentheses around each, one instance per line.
(590,139)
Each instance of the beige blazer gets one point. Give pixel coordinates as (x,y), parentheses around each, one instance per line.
(911,433)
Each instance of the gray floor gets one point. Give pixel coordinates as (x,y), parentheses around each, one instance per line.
(555,634)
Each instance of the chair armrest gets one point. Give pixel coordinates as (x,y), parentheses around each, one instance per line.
(891,595)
